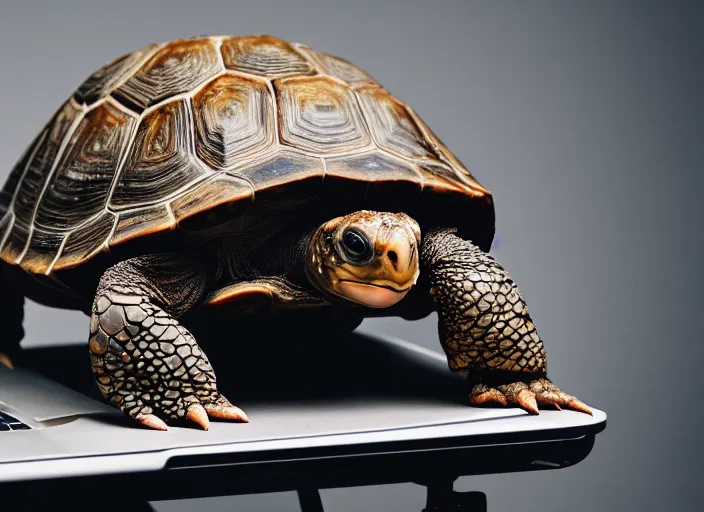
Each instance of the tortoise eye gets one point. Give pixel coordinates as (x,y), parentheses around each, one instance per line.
(357,248)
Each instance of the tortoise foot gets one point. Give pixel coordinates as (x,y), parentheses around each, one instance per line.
(187,409)
(526,395)
(155,398)
(150,366)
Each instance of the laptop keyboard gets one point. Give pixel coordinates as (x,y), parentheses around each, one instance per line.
(8,422)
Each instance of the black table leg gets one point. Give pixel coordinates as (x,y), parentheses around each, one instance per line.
(443,498)
(310,500)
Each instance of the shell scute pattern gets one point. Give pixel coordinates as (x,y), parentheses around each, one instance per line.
(111,75)
(34,171)
(171,131)
(232,116)
(80,185)
(319,115)
(457,173)
(373,166)
(263,55)
(176,68)
(86,241)
(141,221)
(8,192)
(43,160)
(43,248)
(220,189)
(160,161)
(391,125)
(338,68)
(281,168)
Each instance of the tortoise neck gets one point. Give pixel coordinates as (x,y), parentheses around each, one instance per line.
(312,263)
(283,255)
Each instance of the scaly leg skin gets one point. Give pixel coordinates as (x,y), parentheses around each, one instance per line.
(485,327)
(144,361)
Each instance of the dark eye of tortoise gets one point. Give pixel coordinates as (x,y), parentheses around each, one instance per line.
(357,248)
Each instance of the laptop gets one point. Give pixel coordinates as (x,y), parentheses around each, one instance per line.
(343,397)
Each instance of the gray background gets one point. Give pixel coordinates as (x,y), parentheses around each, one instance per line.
(584,119)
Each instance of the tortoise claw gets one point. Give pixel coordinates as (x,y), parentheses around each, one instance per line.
(226,412)
(527,396)
(196,413)
(151,421)
(519,393)
(580,406)
(548,393)
(526,400)
(6,361)
(482,394)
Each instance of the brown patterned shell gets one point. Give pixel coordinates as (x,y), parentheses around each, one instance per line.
(171,131)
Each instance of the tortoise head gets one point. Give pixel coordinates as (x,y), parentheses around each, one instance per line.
(370,258)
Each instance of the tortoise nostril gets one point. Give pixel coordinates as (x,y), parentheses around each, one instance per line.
(393,257)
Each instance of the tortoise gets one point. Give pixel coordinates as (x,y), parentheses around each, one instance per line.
(247,173)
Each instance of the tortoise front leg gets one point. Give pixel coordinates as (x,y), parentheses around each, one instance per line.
(485,327)
(144,361)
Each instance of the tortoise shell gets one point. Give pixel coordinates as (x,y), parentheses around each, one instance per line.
(169,132)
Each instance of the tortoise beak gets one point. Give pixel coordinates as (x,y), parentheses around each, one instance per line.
(398,255)
(397,252)
(370,295)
